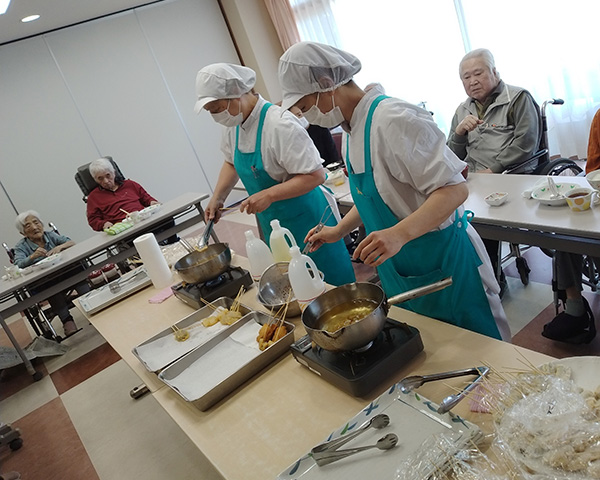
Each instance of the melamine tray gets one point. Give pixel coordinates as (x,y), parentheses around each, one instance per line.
(210,372)
(162,349)
(412,417)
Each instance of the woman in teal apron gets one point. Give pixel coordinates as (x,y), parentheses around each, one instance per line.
(432,253)
(299,207)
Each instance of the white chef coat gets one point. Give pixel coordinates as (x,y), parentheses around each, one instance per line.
(286,149)
(410,161)
(408,151)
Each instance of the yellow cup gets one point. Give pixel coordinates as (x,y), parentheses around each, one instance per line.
(580,199)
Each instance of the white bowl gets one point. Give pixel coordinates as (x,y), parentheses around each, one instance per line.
(496,199)
(593,179)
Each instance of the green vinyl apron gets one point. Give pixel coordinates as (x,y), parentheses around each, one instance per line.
(427,259)
(298,214)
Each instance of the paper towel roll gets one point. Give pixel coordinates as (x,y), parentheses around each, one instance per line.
(154,261)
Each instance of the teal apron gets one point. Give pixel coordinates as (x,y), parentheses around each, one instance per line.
(298,214)
(427,259)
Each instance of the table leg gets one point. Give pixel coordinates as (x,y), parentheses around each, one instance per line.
(32,371)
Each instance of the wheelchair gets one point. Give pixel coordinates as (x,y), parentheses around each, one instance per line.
(539,164)
(40,317)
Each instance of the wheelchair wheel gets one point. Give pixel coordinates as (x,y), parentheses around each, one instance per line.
(523,270)
(561,167)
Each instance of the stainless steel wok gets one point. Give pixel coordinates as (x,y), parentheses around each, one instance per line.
(206,262)
(360,333)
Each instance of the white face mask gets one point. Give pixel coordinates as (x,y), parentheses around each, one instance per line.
(331,119)
(227,119)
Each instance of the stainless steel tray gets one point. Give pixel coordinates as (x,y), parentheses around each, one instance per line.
(197,367)
(102,297)
(162,349)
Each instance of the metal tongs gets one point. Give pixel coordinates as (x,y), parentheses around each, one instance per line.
(320,226)
(410,383)
(327,452)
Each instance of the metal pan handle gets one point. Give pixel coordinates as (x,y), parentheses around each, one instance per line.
(419,292)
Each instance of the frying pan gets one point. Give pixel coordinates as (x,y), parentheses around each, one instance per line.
(206,262)
(363,331)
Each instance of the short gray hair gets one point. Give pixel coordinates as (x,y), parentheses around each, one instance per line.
(482,53)
(101,165)
(20,221)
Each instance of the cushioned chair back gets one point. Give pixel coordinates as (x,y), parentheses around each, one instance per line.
(86,182)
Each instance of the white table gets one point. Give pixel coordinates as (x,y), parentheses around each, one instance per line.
(91,255)
(525,221)
(279,414)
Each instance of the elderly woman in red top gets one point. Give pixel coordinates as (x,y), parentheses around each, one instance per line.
(107,204)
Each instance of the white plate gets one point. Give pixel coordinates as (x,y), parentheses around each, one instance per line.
(152,209)
(585,371)
(542,194)
(584,374)
(48,261)
(412,417)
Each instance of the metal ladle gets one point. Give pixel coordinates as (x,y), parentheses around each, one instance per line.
(384,443)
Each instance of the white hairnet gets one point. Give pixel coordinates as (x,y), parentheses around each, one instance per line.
(309,67)
(221,81)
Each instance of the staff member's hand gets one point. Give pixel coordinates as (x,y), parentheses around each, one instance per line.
(107,225)
(326,235)
(257,203)
(40,252)
(467,125)
(213,210)
(378,246)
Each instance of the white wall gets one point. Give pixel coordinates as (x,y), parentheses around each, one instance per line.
(121,86)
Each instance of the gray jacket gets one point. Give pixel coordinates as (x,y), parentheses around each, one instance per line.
(510,132)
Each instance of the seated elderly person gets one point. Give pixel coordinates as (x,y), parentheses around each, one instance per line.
(497,127)
(576,324)
(38,245)
(107,204)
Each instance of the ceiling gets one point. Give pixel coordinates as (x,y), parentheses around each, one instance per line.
(56,14)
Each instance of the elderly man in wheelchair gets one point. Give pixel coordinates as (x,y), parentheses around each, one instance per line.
(37,245)
(496,128)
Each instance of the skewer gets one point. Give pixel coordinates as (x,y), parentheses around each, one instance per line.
(124,211)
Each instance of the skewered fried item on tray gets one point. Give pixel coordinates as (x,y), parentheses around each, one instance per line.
(227,316)
(274,330)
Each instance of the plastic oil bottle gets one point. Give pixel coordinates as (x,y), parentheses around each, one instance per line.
(278,241)
(259,255)
(305,278)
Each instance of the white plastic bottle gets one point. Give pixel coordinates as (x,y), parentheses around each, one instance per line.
(306,285)
(259,255)
(278,241)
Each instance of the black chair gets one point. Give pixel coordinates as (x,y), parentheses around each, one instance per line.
(86,182)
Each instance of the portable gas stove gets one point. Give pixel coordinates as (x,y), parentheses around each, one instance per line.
(359,372)
(227,284)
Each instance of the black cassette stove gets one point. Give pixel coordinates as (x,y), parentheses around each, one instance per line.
(227,284)
(360,372)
